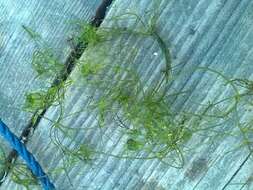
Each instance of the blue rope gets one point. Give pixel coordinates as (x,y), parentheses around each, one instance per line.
(16,144)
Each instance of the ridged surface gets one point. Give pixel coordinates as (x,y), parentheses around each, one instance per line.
(51,19)
(215,34)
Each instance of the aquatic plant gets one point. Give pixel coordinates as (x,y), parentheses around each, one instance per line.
(118,94)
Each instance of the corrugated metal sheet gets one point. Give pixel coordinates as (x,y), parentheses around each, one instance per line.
(52,20)
(215,34)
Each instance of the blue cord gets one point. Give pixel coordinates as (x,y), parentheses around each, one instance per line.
(16,144)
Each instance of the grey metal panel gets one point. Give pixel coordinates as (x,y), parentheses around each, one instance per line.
(51,19)
(243,179)
(213,33)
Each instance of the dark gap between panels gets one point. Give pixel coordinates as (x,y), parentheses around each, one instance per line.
(75,54)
